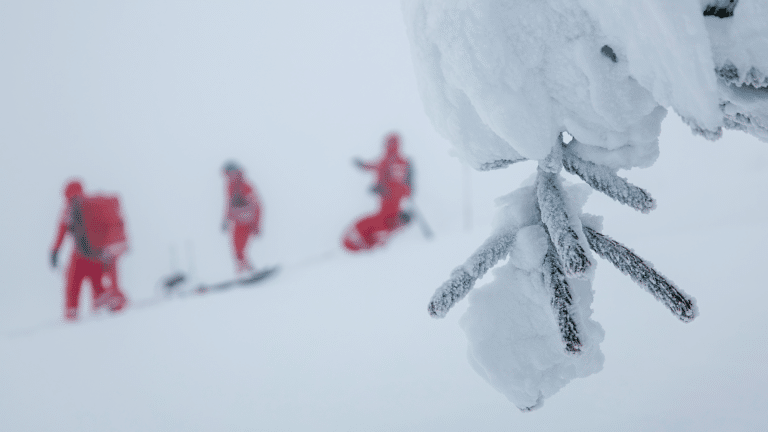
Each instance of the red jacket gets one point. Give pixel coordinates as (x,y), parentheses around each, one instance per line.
(243,204)
(393,175)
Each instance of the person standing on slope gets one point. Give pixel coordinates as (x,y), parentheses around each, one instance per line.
(393,184)
(96,226)
(243,213)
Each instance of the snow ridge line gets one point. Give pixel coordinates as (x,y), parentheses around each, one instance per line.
(313,259)
(156,300)
(296,265)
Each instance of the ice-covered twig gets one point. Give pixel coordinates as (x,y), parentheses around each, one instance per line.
(554,280)
(555,218)
(603,179)
(499,164)
(683,306)
(463,278)
(553,163)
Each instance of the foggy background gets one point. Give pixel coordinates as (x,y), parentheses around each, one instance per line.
(149,100)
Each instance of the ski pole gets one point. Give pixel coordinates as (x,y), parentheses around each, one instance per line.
(422,222)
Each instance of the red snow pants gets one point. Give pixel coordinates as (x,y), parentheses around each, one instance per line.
(240,235)
(374,230)
(80,268)
(98,273)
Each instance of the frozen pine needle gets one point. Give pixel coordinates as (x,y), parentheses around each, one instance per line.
(555,216)
(463,278)
(643,273)
(605,180)
(554,280)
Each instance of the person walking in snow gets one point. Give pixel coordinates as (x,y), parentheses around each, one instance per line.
(96,226)
(393,184)
(243,213)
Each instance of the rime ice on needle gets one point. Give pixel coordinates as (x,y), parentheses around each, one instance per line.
(554,215)
(464,277)
(503,80)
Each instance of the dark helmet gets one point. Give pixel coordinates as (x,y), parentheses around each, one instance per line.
(231,166)
(73,188)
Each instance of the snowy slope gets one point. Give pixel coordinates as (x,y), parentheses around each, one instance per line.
(150,100)
(346,344)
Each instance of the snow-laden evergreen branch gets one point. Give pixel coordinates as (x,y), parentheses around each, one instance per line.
(555,218)
(612,98)
(683,306)
(463,278)
(605,180)
(554,280)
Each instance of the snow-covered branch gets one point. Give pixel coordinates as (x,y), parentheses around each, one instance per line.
(499,164)
(502,78)
(683,306)
(463,278)
(605,180)
(555,218)
(554,280)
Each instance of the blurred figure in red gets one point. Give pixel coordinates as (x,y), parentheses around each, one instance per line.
(393,184)
(96,226)
(243,214)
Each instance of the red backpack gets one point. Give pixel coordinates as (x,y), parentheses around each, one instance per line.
(100,224)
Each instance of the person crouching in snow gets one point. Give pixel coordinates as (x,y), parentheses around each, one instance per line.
(393,185)
(243,213)
(96,226)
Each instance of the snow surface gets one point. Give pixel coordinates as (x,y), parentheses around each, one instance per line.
(149,100)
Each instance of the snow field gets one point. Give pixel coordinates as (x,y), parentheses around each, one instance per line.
(348,345)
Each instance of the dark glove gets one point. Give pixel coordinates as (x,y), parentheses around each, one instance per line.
(358,162)
(377,189)
(225,226)
(54,258)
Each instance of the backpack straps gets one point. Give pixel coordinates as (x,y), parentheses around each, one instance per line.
(78,229)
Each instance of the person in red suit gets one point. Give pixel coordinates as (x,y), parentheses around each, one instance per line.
(393,185)
(95,225)
(243,213)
